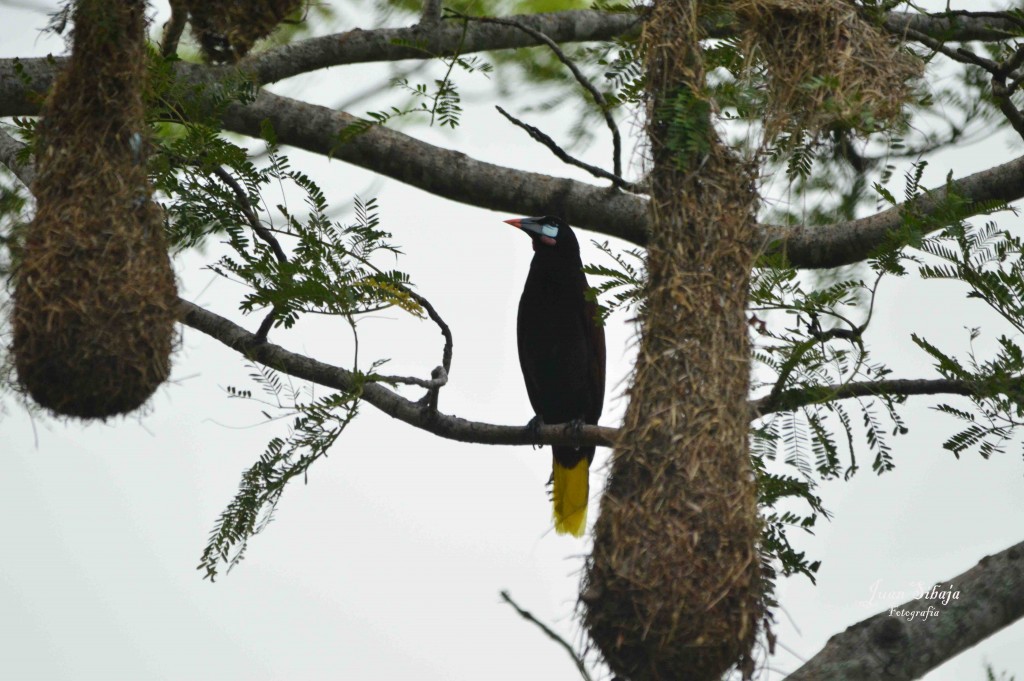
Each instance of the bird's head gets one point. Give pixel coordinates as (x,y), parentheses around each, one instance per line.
(548,233)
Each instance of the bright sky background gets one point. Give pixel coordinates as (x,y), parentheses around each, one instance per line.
(388,564)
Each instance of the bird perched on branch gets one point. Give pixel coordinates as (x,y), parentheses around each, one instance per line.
(562,355)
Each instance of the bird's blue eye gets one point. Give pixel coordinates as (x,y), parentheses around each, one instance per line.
(549,230)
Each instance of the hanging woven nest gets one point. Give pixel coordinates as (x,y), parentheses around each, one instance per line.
(673,589)
(95,300)
(826,65)
(227,29)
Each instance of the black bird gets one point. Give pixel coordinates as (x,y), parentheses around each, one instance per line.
(562,355)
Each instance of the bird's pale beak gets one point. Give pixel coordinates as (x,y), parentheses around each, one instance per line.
(515,222)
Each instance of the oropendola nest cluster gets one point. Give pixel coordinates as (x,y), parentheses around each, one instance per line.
(826,66)
(227,29)
(95,300)
(674,587)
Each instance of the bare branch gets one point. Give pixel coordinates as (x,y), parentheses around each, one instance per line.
(431,12)
(788,400)
(599,99)
(438,380)
(455,176)
(440,171)
(550,633)
(388,401)
(1002,94)
(250,214)
(536,134)
(391,44)
(853,241)
(443,38)
(999,73)
(958,26)
(439,376)
(173,28)
(960,54)
(454,428)
(261,231)
(895,645)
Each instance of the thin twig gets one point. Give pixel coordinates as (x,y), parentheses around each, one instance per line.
(446,355)
(1003,91)
(261,231)
(250,214)
(606,110)
(999,73)
(438,379)
(1002,95)
(794,398)
(960,54)
(536,134)
(526,615)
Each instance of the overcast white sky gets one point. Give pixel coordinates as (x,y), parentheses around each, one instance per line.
(389,562)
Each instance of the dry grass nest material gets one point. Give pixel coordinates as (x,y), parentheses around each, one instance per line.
(826,65)
(674,587)
(95,301)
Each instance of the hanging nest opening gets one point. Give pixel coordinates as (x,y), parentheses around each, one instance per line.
(95,300)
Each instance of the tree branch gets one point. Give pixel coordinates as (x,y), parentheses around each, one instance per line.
(431,13)
(852,241)
(458,177)
(461,178)
(453,427)
(388,401)
(788,400)
(250,214)
(958,26)
(550,633)
(442,172)
(432,383)
(422,41)
(416,42)
(562,155)
(892,646)
(599,99)
(443,38)
(439,376)
(174,28)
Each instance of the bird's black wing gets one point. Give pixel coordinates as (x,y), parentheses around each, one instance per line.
(596,358)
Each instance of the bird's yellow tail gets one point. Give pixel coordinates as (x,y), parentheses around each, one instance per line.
(571,490)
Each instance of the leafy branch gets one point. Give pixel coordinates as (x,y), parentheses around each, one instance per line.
(316,425)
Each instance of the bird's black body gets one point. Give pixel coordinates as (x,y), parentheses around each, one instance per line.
(561,341)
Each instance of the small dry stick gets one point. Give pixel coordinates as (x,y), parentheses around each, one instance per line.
(261,231)
(536,134)
(526,615)
(580,78)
